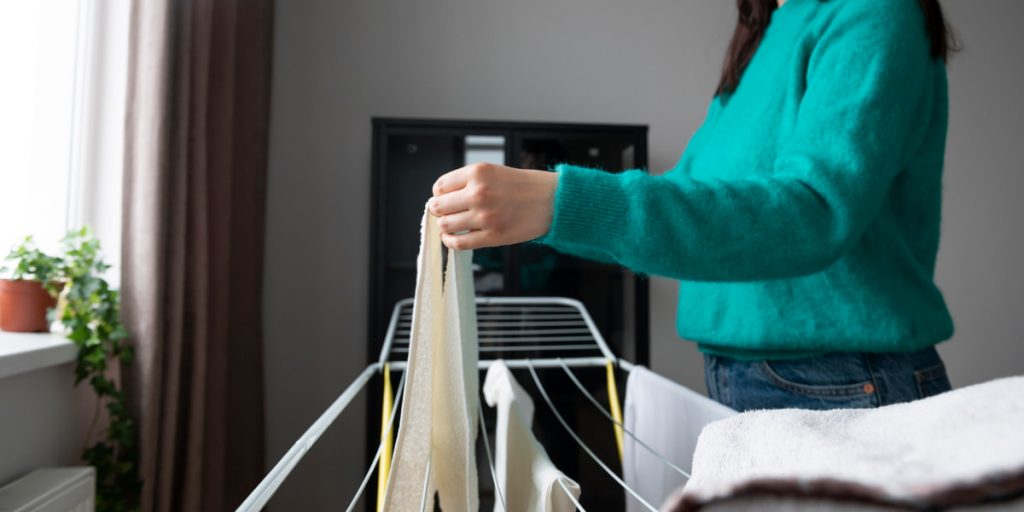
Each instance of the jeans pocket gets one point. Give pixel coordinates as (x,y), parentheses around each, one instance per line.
(932,381)
(805,382)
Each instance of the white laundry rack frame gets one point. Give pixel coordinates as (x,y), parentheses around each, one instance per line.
(559,332)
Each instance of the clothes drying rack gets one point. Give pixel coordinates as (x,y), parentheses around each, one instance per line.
(557,328)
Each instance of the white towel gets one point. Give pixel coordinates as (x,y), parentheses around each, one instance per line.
(932,453)
(441,388)
(527,479)
(668,418)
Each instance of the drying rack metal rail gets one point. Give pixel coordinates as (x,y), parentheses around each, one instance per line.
(514,328)
(526,333)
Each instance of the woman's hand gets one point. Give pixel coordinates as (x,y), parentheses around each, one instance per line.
(493,204)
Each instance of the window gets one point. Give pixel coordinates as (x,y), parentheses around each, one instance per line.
(62,120)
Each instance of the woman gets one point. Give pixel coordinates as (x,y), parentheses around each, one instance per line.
(802,220)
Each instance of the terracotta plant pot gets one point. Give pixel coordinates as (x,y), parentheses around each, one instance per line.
(23,306)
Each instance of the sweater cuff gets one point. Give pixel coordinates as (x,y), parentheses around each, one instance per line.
(589,211)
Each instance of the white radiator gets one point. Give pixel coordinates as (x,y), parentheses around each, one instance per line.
(51,490)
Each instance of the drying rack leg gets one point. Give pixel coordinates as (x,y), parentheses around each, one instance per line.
(380,446)
(613,402)
(385,439)
(266,488)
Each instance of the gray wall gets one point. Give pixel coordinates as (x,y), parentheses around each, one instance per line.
(982,248)
(337,63)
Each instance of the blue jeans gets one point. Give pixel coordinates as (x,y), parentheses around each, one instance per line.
(831,381)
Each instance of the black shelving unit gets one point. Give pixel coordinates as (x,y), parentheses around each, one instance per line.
(410,154)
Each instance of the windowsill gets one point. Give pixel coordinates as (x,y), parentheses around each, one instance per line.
(22,352)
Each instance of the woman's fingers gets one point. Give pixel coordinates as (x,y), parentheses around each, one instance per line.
(450,203)
(457,222)
(451,193)
(455,180)
(466,241)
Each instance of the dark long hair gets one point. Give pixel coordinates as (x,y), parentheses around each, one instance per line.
(754,16)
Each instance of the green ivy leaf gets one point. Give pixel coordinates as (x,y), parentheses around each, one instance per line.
(79,334)
(90,312)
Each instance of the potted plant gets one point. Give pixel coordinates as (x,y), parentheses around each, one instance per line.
(72,289)
(88,310)
(28,288)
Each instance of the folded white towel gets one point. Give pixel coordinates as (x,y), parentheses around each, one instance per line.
(942,451)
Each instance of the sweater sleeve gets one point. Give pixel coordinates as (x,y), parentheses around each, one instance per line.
(859,113)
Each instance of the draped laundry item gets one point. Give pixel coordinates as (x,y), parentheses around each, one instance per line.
(437,434)
(668,418)
(527,479)
(961,450)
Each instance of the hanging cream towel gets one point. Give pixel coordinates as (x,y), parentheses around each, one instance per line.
(437,433)
(527,479)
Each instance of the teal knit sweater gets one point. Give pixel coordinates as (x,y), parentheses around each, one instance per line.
(803,217)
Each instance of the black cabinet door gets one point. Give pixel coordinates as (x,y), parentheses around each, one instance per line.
(408,156)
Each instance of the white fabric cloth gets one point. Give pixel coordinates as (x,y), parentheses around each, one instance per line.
(527,479)
(906,453)
(438,422)
(668,418)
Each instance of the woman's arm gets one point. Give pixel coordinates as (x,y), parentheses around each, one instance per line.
(858,116)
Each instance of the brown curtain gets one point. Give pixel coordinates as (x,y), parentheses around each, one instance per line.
(194,189)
